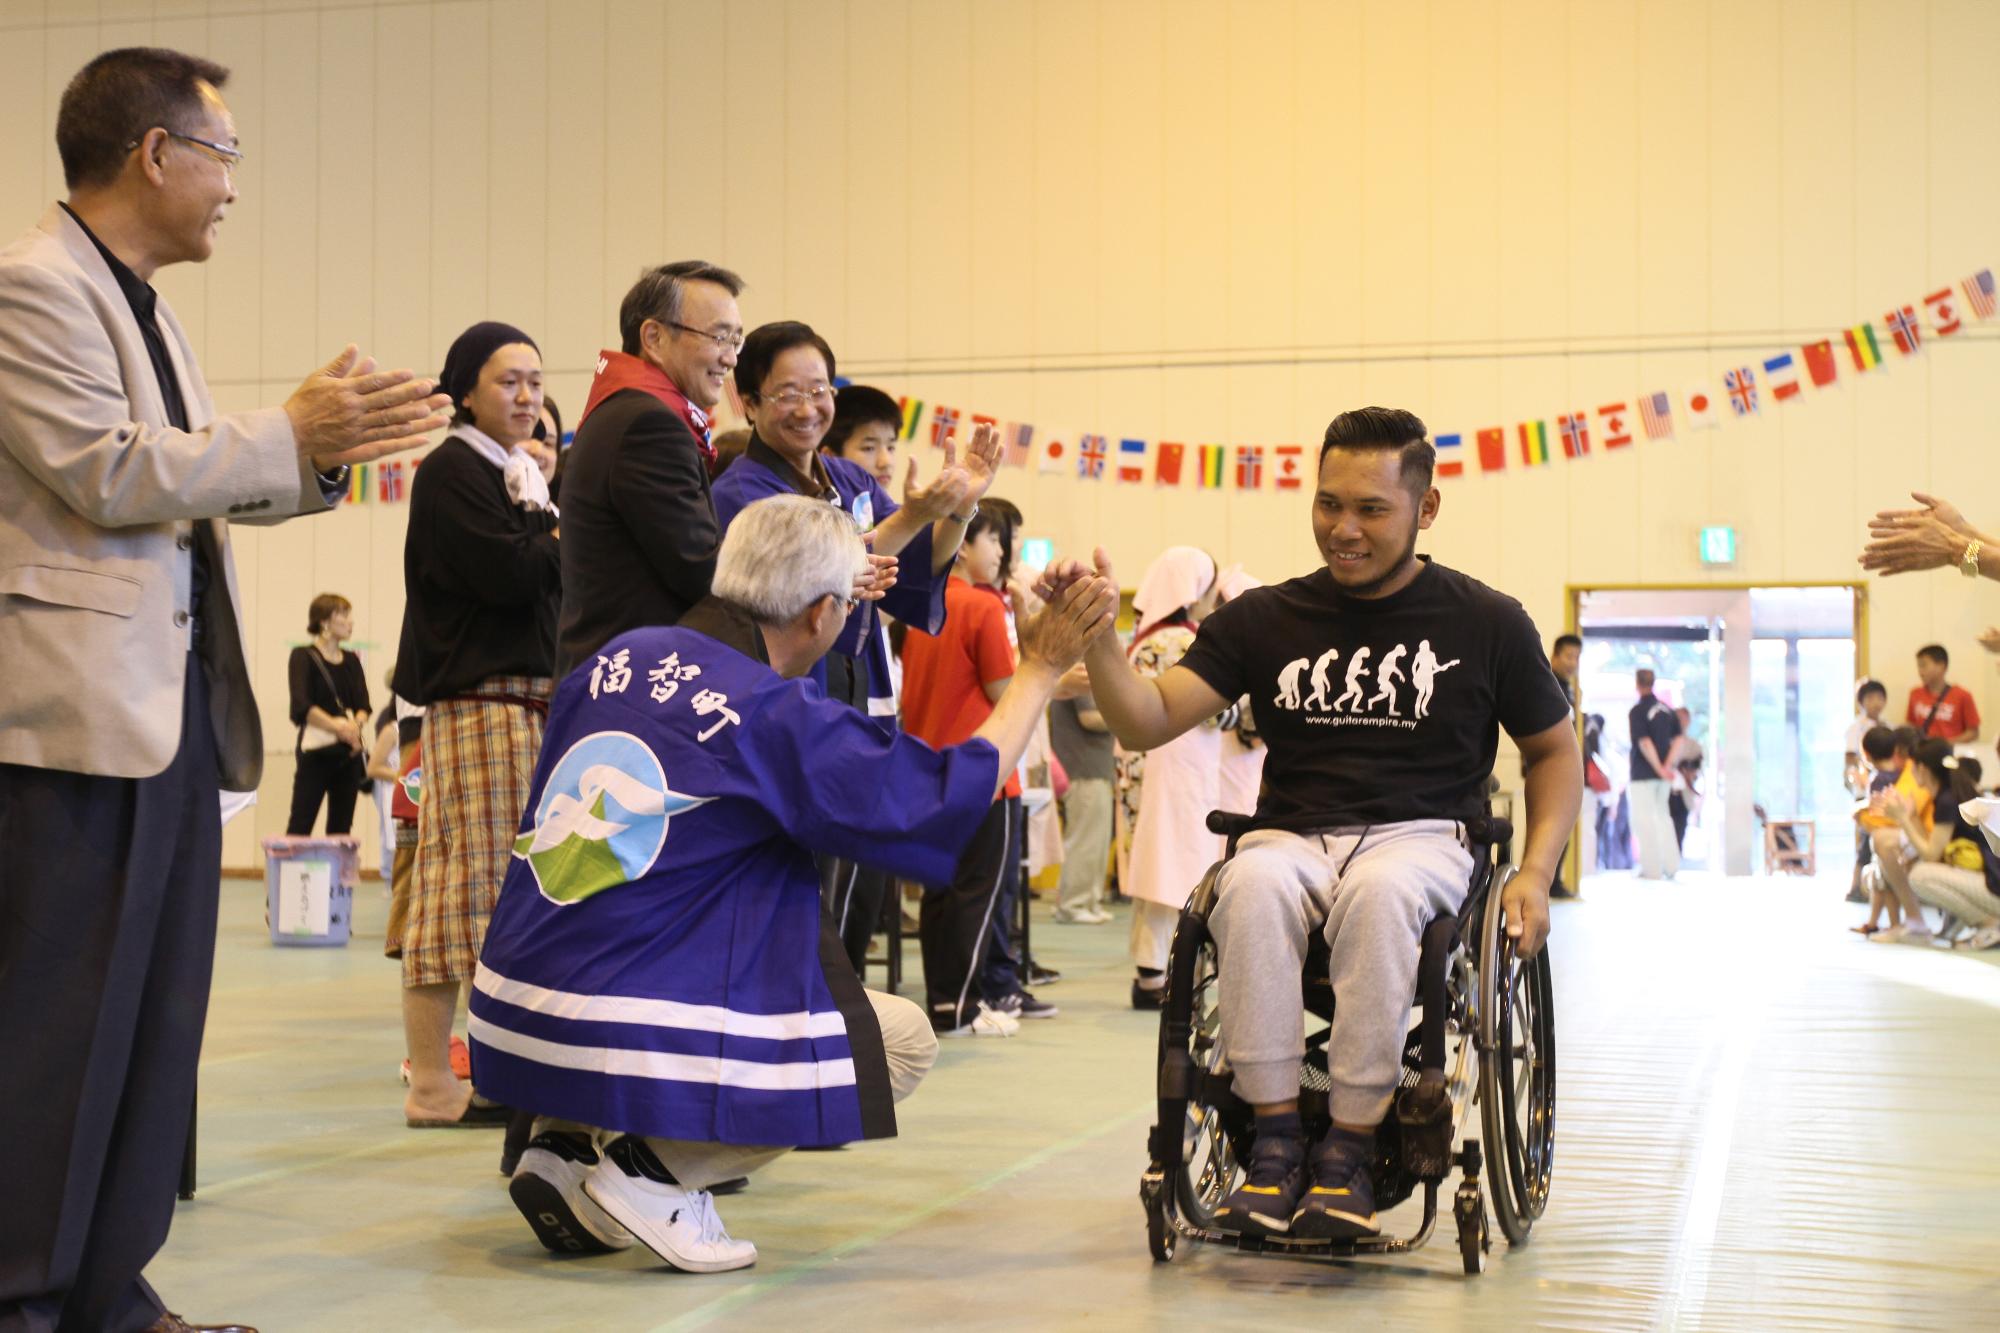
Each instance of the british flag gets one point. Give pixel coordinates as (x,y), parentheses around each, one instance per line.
(1742,386)
(1090,457)
(1249,467)
(1656,413)
(1902,324)
(944,424)
(1979,293)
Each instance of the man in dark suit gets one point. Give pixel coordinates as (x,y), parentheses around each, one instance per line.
(125,701)
(639,534)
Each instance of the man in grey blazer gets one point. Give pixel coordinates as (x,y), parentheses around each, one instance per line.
(124,691)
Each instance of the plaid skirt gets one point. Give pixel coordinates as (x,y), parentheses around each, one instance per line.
(480,750)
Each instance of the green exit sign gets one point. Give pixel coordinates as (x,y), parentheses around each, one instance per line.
(1718,546)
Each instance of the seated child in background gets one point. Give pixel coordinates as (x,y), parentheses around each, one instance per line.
(1888,754)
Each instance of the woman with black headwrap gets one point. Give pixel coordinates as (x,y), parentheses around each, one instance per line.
(482,582)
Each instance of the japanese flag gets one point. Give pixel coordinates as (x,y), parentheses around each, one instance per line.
(1701,408)
(1057,451)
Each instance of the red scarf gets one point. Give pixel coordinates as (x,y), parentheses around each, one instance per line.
(617,370)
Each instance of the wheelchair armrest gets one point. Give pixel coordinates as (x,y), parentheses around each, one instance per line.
(1229,824)
(1490,830)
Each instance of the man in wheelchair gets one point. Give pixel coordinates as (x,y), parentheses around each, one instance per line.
(1360,828)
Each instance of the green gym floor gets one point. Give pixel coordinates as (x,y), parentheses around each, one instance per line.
(1763,1122)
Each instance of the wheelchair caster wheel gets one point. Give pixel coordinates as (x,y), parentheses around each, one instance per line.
(1160,1237)
(1473,1239)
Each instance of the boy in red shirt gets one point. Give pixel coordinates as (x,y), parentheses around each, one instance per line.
(1937,709)
(950,681)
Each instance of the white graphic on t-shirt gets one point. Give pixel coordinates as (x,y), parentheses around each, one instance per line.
(1386,676)
(1357,671)
(1322,683)
(1424,671)
(1288,682)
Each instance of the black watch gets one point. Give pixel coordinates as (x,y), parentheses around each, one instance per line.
(969,517)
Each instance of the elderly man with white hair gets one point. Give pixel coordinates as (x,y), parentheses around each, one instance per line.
(656,981)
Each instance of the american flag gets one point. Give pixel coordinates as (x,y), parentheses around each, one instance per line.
(1090,458)
(1979,293)
(1903,327)
(1249,467)
(1742,386)
(1576,435)
(1019,437)
(1656,413)
(944,423)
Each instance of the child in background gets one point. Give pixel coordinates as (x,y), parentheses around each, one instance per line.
(1870,698)
(1888,753)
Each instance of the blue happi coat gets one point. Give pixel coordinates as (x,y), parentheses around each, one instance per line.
(655,964)
(917,600)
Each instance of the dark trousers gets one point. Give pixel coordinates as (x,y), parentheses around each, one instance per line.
(108,892)
(1001,976)
(854,895)
(327,772)
(955,924)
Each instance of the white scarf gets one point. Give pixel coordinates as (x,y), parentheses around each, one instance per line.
(526,486)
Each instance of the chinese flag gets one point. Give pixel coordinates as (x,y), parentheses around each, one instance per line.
(981,419)
(1493,449)
(1820,363)
(1167,472)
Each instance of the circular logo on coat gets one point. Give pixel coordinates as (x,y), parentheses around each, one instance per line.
(602,818)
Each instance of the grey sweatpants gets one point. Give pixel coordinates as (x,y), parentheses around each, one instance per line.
(1372,895)
(908,1042)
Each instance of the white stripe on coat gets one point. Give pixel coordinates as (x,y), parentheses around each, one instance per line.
(797,1076)
(657,1013)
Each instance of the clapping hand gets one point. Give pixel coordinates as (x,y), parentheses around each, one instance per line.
(960,484)
(348,412)
(880,576)
(1056,635)
(1904,541)
(1989,638)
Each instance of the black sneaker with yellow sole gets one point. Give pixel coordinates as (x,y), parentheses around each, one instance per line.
(1341,1203)
(1264,1203)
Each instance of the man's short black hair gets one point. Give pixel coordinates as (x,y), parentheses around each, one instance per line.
(768,342)
(1566,641)
(1879,744)
(1385,428)
(859,405)
(658,293)
(120,95)
(1936,652)
(1868,687)
(1907,737)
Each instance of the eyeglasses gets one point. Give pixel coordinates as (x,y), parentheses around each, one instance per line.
(847,604)
(787,400)
(732,340)
(230,158)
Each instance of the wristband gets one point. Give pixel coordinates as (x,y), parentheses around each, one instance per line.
(969,517)
(1968,564)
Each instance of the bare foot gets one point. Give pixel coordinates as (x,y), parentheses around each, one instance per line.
(444,1104)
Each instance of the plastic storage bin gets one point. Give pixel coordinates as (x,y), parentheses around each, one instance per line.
(309,889)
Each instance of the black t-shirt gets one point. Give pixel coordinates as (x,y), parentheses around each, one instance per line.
(1651,720)
(1378,710)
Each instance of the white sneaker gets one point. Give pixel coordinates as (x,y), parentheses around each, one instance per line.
(677,1224)
(1903,934)
(988,1022)
(547,1186)
(1986,937)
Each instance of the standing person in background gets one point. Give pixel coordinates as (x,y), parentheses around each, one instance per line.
(1655,750)
(1082,742)
(1938,708)
(482,577)
(639,530)
(546,446)
(1686,797)
(330,708)
(1165,794)
(125,700)
(1565,659)
(1870,698)
(1243,750)
(867,427)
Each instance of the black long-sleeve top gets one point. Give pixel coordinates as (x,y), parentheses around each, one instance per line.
(639,530)
(482,580)
(347,691)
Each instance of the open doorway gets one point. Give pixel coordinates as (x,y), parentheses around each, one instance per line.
(1766,675)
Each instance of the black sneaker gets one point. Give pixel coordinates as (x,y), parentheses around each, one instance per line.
(1148,997)
(1264,1203)
(1023,1004)
(1341,1203)
(1042,976)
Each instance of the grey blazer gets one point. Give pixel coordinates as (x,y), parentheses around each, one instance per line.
(101,503)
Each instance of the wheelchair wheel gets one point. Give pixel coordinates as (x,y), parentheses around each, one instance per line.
(1209,1170)
(1517,1079)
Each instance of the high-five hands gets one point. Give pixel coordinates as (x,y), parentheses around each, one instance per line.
(1056,635)
(1061,574)
(961,482)
(349,412)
